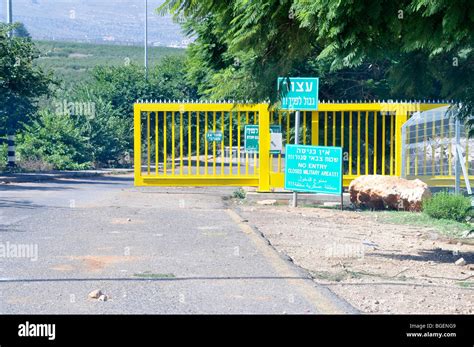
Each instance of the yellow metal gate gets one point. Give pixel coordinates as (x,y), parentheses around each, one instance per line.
(172,142)
(202,144)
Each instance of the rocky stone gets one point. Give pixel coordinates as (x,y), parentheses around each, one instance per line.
(103,297)
(95,294)
(460,262)
(379,192)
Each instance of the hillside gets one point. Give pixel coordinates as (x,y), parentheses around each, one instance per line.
(72,61)
(118,21)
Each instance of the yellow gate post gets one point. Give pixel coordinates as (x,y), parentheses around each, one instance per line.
(264,148)
(137,150)
(314,128)
(401,116)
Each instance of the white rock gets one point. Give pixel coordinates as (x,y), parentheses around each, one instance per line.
(460,262)
(103,297)
(95,294)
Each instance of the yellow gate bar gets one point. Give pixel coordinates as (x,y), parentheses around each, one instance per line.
(264,148)
(165,153)
(314,128)
(230,143)
(358,143)
(190,134)
(383,143)
(214,149)
(350,142)
(148,134)
(173,143)
(366,143)
(239,115)
(206,149)
(375,142)
(156,143)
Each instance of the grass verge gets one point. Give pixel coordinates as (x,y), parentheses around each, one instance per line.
(446,227)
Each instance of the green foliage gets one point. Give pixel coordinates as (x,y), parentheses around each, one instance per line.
(103,126)
(447,206)
(123,85)
(57,140)
(239,194)
(117,88)
(21,83)
(92,125)
(361,49)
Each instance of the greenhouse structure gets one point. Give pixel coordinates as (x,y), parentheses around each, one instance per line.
(436,148)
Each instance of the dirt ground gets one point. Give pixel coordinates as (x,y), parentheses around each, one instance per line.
(377,267)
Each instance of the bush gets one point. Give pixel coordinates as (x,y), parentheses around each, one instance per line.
(55,140)
(239,194)
(448,206)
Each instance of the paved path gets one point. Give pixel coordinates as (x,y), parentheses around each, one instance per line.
(152,250)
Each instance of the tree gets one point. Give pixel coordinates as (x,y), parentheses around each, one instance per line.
(120,87)
(431,41)
(21,31)
(21,82)
(424,47)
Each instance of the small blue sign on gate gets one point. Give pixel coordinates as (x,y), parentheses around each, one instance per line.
(314,169)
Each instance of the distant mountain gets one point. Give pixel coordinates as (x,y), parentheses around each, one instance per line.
(96,21)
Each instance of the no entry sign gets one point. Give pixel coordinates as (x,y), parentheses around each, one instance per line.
(314,169)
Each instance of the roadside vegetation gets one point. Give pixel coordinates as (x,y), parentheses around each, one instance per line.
(239,194)
(445,205)
(448,213)
(446,227)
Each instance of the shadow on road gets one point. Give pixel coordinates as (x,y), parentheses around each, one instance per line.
(13,203)
(53,182)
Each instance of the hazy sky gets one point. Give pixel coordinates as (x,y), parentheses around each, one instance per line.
(95,20)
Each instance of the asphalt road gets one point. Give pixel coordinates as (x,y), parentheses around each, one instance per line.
(150,250)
